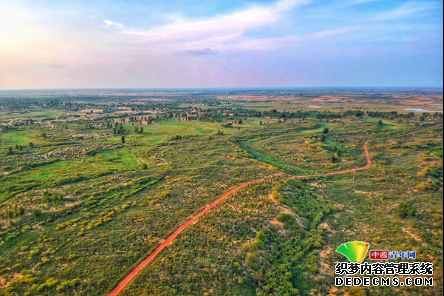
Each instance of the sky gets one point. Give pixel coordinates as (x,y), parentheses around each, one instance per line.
(220,43)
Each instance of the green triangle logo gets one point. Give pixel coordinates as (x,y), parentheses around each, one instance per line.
(354,251)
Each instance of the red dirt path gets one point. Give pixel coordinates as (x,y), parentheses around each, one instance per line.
(148,260)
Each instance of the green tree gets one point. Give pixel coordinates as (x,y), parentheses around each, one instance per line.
(122,139)
(404,210)
(36,213)
(252,259)
(339,153)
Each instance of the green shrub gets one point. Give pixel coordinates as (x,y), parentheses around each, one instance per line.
(252,259)
(404,210)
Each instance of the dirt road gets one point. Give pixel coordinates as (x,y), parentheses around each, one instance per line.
(148,260)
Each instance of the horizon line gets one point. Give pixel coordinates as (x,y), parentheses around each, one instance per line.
(223,88)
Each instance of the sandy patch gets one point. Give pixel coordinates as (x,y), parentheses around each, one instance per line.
(416,237)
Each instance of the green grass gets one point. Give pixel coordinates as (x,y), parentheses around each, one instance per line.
(23,137)
(387,123)
(43,114)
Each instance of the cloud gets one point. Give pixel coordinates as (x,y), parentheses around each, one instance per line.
(406,10)
(109,23)
(227,32)
(228,26)
(266,43)
(285,5)
(288,41)
(358,2)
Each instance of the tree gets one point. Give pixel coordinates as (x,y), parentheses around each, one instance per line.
(252,259)
(9,151)
(36,213)
(404,210)
(325,131)
(122,139)
(339,153)
(31,144)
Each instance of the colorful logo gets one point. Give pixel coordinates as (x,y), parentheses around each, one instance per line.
(354,251)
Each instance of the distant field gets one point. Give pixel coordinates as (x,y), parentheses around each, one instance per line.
(42,114)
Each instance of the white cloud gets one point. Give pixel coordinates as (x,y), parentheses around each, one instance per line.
(285,5)
(406,10)
(109,23)
(222,27)
(227,32)
(286,41)
(358,2)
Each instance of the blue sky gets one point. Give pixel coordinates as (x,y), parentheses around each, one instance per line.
(189,43)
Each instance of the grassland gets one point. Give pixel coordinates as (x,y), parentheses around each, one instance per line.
(85,199)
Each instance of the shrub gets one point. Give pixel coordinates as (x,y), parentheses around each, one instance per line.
(36,213)
(404,210)
(25,272)
(41,287)
(45,260)
(376,240)
(429,185)
(356,291)
(248,247)
(237,266)
(288,220)
(51,282)
(252,259)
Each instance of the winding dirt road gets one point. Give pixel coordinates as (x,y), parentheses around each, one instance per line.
(148,260)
